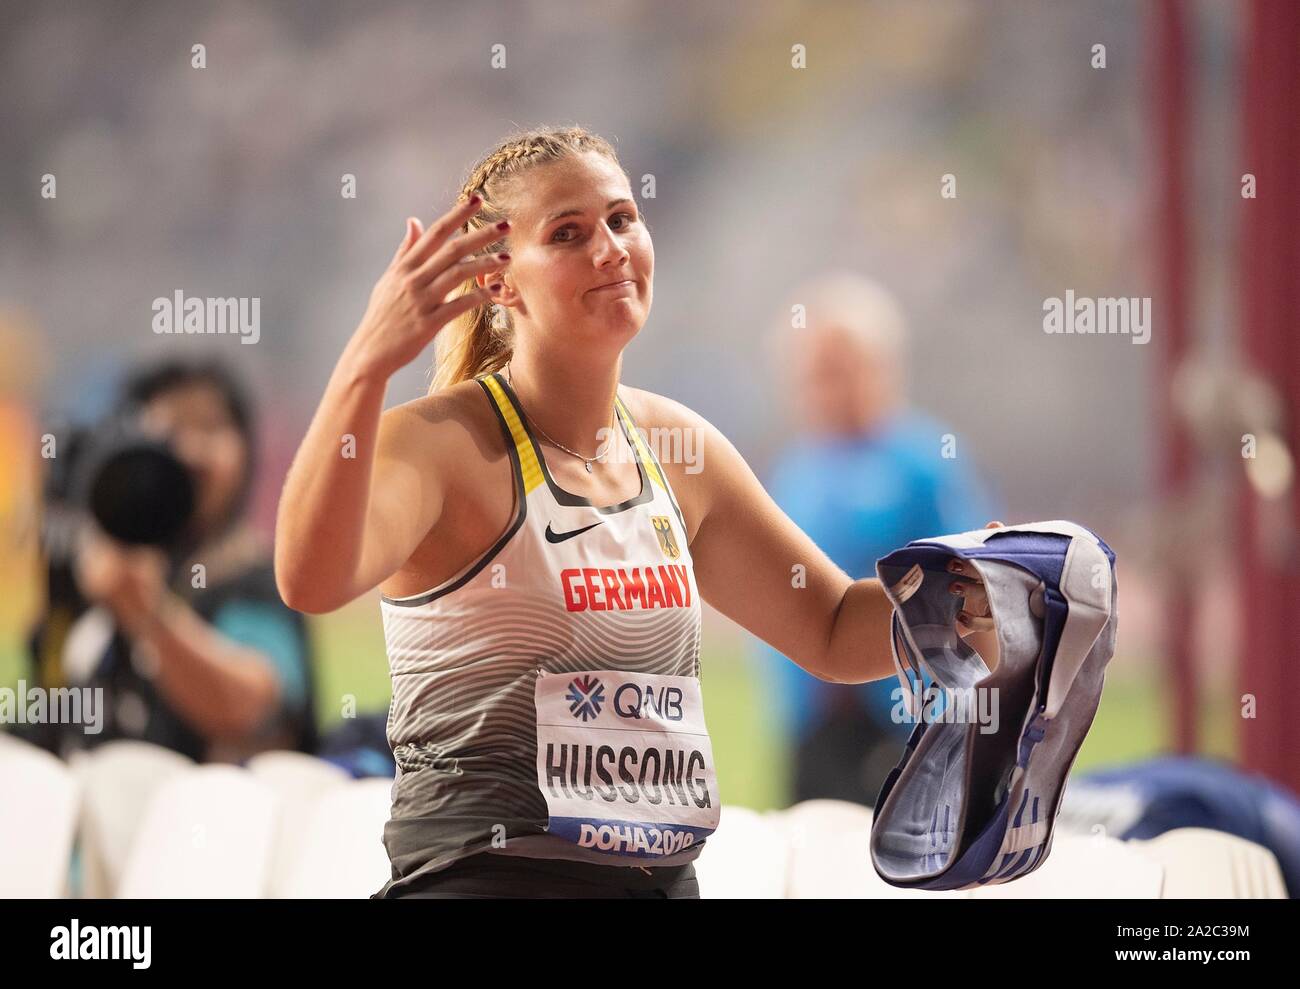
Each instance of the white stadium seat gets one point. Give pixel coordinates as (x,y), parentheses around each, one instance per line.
(9,740)
(830,855)
(40,796)
(342,855)
(153,824)
(208,833)
(298,782)
(1084,867)
(1203,864)
(747,857)
(118,780)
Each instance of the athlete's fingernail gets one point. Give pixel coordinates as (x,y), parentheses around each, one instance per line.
(475,200)
(503,225)
(495,288)
(503,257)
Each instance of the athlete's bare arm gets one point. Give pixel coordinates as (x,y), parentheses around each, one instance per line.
(354,505)
(761,570)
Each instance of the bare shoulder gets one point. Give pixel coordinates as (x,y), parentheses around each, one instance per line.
(452,403)
(694,454)
(450,424)
(651,409)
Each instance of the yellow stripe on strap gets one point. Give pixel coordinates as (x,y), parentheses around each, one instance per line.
(532,471)
(643,452)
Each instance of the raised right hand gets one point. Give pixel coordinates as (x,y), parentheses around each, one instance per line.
(409,304)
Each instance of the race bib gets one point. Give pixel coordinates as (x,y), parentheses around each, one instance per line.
(624,762)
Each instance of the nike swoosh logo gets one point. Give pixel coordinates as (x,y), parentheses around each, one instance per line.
(559,537)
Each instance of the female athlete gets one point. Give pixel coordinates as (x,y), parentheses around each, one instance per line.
(540,567)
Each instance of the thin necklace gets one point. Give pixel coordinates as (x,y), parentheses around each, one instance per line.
(586,462)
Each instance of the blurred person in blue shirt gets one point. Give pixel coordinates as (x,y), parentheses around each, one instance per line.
(865,475)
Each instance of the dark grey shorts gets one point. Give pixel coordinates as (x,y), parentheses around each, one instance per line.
(485,876)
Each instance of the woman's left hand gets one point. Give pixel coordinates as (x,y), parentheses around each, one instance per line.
(975,619)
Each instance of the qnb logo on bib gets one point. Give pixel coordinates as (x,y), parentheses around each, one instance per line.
(633,700)
(632,777)
(586,696)
(624,589)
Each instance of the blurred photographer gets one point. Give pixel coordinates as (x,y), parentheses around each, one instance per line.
(176,614)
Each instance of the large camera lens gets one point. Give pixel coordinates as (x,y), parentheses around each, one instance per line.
(138,491)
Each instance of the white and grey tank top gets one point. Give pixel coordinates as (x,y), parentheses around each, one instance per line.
(568,587)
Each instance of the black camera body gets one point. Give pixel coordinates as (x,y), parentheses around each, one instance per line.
(133,485)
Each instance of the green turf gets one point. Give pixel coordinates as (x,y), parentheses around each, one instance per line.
(1134,720)
(351,667)
(13,662)
(752,760)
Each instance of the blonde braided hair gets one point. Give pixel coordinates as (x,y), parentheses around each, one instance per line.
(471,345)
